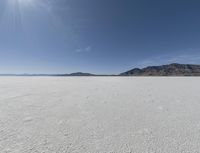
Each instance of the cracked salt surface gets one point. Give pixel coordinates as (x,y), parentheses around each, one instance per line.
(99,115)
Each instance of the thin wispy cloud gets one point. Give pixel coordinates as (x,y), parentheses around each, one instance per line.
(84,50)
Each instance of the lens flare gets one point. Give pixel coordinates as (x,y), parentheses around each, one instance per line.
(12,17)
(16,13)
(24,1)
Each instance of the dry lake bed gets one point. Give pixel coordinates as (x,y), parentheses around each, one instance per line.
(99,114)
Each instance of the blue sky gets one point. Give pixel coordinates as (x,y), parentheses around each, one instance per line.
(97,36)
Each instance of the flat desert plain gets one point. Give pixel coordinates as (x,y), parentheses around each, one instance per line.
(99,115)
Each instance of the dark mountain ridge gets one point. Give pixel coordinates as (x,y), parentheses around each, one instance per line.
(173,69)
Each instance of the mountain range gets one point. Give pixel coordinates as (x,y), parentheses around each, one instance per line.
(173,69)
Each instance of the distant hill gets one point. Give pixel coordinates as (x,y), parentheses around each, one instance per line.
(84,74)
(173,69)
(81,74)
(71,74)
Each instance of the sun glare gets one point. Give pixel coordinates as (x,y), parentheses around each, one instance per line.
(23,2)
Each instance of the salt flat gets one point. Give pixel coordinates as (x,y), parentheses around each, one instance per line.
(99,114)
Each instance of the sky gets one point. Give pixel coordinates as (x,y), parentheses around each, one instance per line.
(97,36)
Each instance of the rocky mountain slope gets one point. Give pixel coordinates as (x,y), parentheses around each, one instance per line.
(173,69)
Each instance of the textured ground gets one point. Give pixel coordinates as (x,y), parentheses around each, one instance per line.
(99,115)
